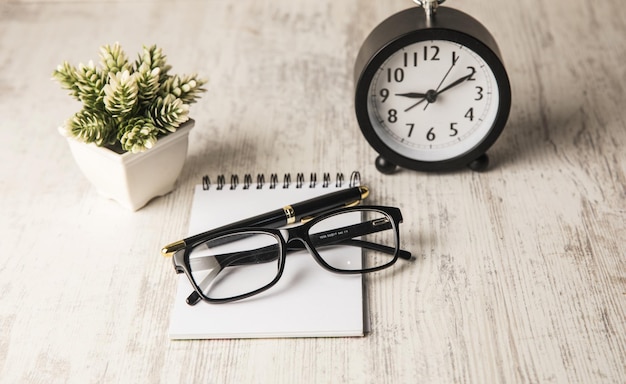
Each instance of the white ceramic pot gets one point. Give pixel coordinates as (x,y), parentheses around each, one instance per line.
(133,179)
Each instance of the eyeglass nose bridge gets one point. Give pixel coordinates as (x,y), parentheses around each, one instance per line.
(295,239)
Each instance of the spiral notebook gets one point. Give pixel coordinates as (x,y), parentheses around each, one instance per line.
(308,301)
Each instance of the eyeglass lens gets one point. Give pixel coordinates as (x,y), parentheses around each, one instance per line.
(235,264)
(373,231)
(243,262)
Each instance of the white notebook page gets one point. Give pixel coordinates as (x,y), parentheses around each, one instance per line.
(308,301)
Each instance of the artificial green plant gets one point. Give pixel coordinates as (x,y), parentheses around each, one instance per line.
(127,103)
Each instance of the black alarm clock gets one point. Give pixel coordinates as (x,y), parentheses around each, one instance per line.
(431,91)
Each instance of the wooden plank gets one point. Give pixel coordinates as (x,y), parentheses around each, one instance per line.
(519,273)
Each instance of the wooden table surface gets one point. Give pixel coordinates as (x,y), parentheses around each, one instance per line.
(519,273)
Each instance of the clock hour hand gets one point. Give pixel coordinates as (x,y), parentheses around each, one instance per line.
(412,95)
(430,96)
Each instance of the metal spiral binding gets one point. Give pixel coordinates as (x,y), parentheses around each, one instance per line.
(300,181)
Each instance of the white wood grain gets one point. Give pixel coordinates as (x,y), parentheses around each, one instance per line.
(519,275)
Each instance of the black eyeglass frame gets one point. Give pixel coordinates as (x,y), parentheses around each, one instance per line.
(180,258)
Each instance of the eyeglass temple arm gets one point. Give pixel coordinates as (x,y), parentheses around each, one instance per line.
(263,255)
(346,235)
(361,244)
(268,253)
(377,247)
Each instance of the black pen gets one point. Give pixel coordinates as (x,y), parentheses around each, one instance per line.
(289,214)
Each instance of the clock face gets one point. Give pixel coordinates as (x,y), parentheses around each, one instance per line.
(433,100)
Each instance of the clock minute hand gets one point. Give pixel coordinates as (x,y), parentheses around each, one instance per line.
(457,82)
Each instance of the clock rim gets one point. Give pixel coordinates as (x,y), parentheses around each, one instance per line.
(386,33)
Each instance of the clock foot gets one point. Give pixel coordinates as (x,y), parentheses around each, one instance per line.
(480,164)
(384,166)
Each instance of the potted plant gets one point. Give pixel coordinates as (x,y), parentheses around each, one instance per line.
(130,138)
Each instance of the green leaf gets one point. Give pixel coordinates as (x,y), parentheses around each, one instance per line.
(138,134)
(90,127)
(120,94)
(113,59)
(168,113)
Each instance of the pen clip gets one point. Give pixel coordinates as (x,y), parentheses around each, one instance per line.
(365,192)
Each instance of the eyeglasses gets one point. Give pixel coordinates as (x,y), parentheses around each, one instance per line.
(236,264)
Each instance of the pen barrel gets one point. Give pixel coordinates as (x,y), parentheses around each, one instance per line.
(327,202)
(287,215)
(273,219)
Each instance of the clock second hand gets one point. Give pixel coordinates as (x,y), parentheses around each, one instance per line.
(442,80)
(424,96)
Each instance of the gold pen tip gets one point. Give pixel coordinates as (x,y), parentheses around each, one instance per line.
(365,192)
(170,249)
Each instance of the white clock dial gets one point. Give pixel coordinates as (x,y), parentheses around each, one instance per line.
(433,100)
